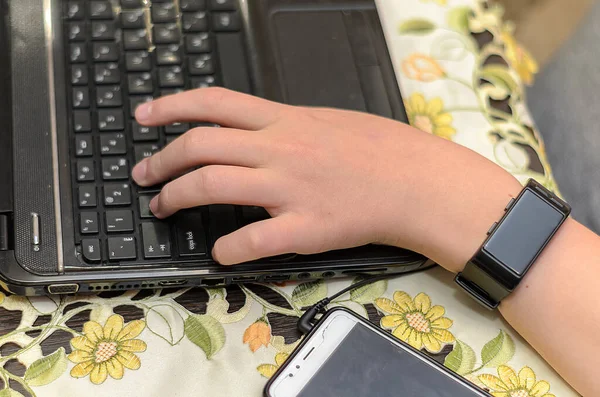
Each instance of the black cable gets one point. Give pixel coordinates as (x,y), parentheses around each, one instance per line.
(306,321)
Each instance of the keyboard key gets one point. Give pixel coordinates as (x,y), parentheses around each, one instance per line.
(144,206)
(169,55)
(157,241)
(132,3)
(141,133)
(134,19)
(222,4)
(196,22)
(110,120)
(226,22)
(192,5)
(203,82)
(119,221)
(107,73)
(101,10)
(201,64)
(105,52)
(121,248)
(84,146)
(222,221)
(136,39)
(76,31)
(233,62)
(103,30)
(113,144)
(82,121)
(177,128)
(90,248)
(164,12)
(140,83)
(117,194)
(88,223)
(77,53)
(170,76)
(144,151)
(166,34)
(109,96)
(115,168)
(79,75)
(197,43)
(81,97)
(138,61)
(190,233)
(171,91)
(251,214)
(75,10)
(136,101)
(85,170)
(87,196)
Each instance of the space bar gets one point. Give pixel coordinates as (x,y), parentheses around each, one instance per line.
(234,67)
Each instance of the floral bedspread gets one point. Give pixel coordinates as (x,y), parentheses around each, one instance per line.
(462,76)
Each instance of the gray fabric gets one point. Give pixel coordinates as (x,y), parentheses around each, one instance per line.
(565,103)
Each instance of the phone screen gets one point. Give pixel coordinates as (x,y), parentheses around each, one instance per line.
(367,364)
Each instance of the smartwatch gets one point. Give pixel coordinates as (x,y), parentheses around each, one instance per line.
(513,244)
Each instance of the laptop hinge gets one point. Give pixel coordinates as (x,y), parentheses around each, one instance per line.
(5,232)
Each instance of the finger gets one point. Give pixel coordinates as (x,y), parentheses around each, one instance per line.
(215,105)
(284,234)
(200,146)
(217,185)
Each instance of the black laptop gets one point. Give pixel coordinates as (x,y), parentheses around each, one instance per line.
(72,73)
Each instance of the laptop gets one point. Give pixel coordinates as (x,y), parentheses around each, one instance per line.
(72,73)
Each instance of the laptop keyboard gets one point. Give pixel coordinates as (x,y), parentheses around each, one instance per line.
(122,53)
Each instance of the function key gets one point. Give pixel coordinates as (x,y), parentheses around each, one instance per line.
(75,10)
(196,22)
(110,120)
(144,151)
(87,196)
(113,144)
(226,5)
(157,240)
(77,53)
(117,194)
(81,97)
(169,54)
(84,146)
(85,170)
(134,19)
(101,9)
(105,52)
(201,64)
(135,39)
(90,248)
(166,34)
(82,121)
(128,4)
(138,61)
(140,83)
(88,223)
(119,221)
(164,12)
(192,5)
(226,21)
(197,43)
(170,76)
(103,30)
(114,168)
(136,101)
(107,73)
(109,96)
(79,75)
(121,248)
(76,31)
(144,206)
(142,133)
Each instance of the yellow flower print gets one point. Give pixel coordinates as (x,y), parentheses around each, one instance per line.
(107,350)
(519,58)
(508,384)
(268,370)
(416,321)
(422,68)
(429,116)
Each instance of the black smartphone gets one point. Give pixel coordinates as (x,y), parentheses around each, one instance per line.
(345,355)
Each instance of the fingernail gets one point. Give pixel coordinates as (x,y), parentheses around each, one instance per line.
(154,205)
(139,171)
(144,111)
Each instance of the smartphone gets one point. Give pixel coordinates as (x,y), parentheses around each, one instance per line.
(345,355)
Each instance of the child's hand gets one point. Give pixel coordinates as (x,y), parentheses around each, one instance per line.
(330,178)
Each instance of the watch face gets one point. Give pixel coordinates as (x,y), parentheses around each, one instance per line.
(523,232)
